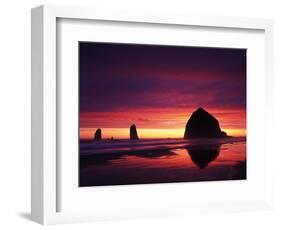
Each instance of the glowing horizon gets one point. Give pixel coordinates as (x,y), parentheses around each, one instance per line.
(145,133)
(155,123)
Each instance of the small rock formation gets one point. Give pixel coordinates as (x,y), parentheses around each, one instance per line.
(202,124)
(133,133)
(97,135)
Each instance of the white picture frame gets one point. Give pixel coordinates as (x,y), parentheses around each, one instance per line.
(45,90)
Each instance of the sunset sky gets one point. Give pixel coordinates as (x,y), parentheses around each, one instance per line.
(158,87)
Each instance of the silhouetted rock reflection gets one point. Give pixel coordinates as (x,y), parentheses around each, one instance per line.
(203,155)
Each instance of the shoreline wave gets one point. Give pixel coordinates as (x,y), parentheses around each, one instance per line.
(123,146)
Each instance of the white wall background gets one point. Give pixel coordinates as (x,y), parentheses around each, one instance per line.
(15,113)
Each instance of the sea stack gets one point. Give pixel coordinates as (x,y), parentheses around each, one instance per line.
(133,133)
(97,135)
(202,124)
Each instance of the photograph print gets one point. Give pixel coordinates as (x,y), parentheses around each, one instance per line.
(161,114)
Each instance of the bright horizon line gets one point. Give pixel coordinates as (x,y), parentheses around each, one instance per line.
(149,133)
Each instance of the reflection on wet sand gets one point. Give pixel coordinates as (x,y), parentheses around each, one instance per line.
(166,163)
(240,169)
(203,155)
(200,155)
(106,158)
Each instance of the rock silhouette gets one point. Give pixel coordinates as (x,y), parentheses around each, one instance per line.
(223,134)
(97,135)
(202,124)
(133,133)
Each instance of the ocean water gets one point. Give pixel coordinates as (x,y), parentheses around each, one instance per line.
(120,162)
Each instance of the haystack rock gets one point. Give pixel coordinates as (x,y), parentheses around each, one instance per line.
(97,135)
(202,124)
(133,133)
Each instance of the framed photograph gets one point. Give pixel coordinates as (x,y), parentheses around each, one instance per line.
(141,114)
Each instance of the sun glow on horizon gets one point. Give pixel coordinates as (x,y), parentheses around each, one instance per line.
(156,123)
(146,133)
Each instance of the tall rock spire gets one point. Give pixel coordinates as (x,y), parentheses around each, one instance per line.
(97,135)
(133,133)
